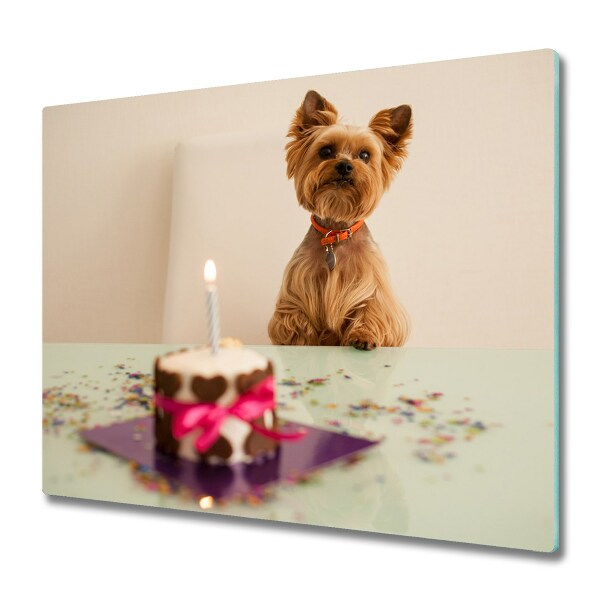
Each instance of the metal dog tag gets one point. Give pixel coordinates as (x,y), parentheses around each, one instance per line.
(330,257)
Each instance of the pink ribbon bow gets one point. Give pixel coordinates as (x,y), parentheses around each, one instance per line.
(209,417)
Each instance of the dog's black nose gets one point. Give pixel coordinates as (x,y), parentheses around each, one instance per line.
(344,167)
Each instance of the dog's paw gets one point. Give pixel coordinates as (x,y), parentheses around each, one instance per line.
(363,344)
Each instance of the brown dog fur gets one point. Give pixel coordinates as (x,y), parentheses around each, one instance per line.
(352,305)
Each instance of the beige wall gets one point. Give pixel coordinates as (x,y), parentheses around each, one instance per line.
(466,227)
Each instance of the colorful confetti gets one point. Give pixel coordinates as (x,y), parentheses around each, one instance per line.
(66,411)
(445,427)
(63,408)
(307,387)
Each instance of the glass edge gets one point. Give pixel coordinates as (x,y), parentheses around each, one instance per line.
(556,300)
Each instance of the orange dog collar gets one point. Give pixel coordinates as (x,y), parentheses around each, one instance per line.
(334,236)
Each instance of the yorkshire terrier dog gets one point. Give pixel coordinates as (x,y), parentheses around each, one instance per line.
(336,288)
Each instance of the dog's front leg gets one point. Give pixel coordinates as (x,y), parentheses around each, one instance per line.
(366,329)
(289,326)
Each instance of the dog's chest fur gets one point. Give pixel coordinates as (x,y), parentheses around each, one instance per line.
(340,292)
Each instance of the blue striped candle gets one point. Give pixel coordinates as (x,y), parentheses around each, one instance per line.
(212,303)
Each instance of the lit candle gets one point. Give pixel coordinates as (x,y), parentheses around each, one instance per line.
(210,277)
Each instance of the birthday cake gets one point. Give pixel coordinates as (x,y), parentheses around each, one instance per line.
(216,408)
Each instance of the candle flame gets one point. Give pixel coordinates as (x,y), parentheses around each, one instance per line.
(210,271)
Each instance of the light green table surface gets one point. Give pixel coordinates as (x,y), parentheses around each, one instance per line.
(435,475)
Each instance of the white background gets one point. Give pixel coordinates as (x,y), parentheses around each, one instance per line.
(60,52)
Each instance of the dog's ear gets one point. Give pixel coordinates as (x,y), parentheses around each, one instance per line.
(394,125)
(314,111)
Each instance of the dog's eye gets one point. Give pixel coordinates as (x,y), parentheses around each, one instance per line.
(364,156)
(326,152)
